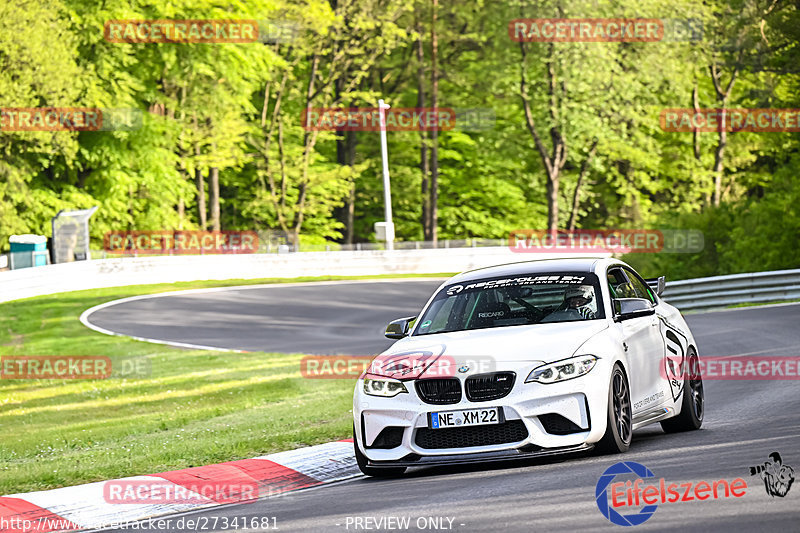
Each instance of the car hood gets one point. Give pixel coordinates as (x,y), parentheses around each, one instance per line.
(414,357)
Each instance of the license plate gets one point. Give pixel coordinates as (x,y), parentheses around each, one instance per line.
(464,417)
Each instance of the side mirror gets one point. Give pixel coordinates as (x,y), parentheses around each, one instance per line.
(397,329)
(627,308)
(657,284)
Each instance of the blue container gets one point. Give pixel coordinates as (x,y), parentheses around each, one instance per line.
(27,251)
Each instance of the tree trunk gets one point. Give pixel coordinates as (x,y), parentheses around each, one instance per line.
(552,200)
(423,140)
(346,156)
(434,213)
(576,196)
(722,141)
(215,198)
(553,163)
(719,159)
(309,139)
(201,198)
(695,133)
(350,211)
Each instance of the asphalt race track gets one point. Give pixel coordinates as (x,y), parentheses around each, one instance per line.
(745,421)
(331,318)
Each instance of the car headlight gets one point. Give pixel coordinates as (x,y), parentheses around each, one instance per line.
(383,387)
(562,370)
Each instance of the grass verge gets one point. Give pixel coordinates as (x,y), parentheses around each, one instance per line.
(195,408)
(761,304)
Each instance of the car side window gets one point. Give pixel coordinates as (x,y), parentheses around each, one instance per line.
(641,288)
(619,285)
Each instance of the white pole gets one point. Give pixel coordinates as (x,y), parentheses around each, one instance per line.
(387,191)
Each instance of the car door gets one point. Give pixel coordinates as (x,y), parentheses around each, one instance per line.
(643,343)
(674,339)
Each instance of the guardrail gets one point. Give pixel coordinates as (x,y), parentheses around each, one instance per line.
(723,291)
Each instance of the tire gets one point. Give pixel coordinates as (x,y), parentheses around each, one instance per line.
(619,417)
(374,471)
(693,400)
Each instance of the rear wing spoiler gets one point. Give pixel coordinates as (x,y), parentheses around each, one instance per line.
(657,284)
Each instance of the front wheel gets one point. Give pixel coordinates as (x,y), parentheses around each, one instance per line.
(619,425)
(693,402)
(374,471)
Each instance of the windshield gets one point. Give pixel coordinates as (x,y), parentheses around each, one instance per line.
(497,302)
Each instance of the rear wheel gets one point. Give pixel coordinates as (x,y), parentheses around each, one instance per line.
(374,471)
(693,402)
(619,425)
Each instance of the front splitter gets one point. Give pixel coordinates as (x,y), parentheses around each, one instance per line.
(482,457)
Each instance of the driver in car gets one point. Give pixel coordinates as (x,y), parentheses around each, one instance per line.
(579,299)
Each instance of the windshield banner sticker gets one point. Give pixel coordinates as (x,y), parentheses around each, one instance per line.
(515,282)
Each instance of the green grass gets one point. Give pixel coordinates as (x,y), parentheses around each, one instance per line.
(195,408)
(760,304)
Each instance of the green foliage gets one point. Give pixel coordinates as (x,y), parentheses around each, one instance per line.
(237,108)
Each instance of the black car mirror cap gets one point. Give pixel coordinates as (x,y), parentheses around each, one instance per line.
(627,308)
(397,329)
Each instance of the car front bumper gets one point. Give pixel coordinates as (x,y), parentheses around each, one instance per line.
(527,431)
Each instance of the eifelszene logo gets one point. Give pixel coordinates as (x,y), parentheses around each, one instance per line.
(635,493)
(777,477)
(601,494)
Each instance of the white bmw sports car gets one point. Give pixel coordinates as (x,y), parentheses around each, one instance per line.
(527,359)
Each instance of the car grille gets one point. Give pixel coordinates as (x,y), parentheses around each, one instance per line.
(555,424)
(466,437)
(439,391)
(486,387)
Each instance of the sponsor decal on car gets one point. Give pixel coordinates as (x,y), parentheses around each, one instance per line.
(676,344)
(650,399)
(514,282)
